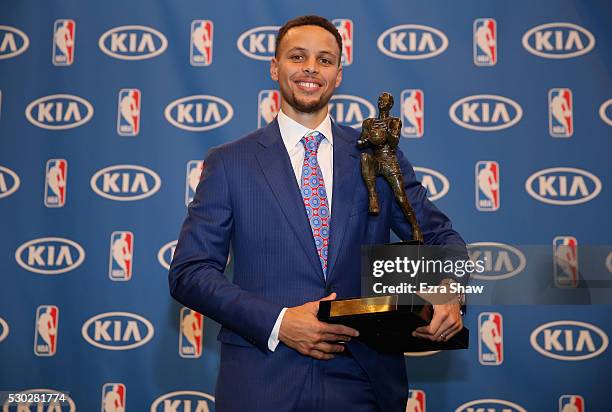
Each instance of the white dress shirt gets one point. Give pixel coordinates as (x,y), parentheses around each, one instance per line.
(292,133)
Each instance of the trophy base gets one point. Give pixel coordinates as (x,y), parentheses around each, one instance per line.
(386,326)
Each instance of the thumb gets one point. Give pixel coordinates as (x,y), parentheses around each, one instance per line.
(331,296)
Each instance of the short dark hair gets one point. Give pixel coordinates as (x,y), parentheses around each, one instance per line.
(310,20)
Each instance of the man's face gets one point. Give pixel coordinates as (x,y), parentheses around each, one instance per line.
(306,68)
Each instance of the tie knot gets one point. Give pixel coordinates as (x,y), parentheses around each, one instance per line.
(312,140)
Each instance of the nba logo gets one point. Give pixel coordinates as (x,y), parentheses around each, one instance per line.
(565,261)
(191,333)
(268,106)
(413,112)
(490,339)
(194,172)
(560,108)
(128,112)
(121,256)
(63,42)
(345,28)
(487,186)
(485,42)
(55,182)
(45,330)
(201,45)
(571,403)
(113,397)
(416,401)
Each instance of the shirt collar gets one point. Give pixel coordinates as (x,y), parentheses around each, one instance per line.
(292,132)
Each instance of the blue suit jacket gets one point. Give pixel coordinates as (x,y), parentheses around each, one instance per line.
(248,197)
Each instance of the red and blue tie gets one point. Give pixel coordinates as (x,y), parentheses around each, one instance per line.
(315,196)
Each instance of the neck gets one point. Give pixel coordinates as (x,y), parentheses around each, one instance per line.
(383,114)
(309,120)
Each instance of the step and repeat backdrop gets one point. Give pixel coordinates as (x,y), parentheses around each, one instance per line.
(107,110)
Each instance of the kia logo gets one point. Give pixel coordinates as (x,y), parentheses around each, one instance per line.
(563,186)
(500,261)
(604,113)
(198,113)
(125,182)
(412,42)
(13,42)
(569,340)
(132,43)
(490,405)
(50,255)
(258,43)
(59,112)
(4,329)
(485,112)
(117,331)
(436,183)
(165,254)
(9,182)
(350,110)
(199,401)
(558,41)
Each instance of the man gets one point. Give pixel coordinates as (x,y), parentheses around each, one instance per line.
(290,199)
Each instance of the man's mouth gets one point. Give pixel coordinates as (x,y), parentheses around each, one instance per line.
(308,86)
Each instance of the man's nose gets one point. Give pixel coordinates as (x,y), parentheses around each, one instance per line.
(310,65)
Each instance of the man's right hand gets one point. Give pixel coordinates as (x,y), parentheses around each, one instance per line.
(301,330)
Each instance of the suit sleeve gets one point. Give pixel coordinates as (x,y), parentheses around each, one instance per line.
(196,276)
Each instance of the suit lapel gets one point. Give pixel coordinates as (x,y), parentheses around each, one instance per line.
(346,166)
(276,167)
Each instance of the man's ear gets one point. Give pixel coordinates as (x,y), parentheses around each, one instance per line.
(339,76)
(274,69)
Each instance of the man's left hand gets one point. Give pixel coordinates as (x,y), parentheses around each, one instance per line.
(446,323)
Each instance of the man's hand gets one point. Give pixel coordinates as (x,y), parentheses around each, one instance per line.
(446,323)
(302,331)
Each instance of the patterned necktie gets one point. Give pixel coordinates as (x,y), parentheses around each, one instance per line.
(315,196)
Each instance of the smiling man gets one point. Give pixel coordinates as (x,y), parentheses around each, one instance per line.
(290,200)
(307,68)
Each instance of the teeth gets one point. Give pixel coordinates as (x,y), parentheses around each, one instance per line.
(309,85)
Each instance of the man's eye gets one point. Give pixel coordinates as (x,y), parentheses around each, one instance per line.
(296,57)
(325,60)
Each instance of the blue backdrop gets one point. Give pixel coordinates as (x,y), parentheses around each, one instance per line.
(108,108)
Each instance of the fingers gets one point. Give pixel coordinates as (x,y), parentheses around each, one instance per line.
(323,350)
(331,337)
(340,330)
(445,335)
(433,327)
(424,335)
(327,347)
(452,331)
(317,354)
(331,296)
(325,344)
(445,323)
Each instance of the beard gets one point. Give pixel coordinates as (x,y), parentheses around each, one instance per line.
(305,107)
